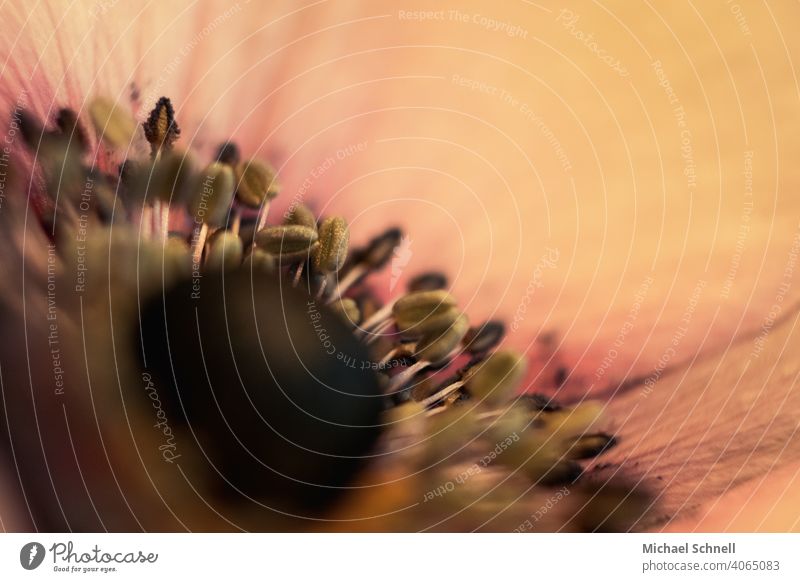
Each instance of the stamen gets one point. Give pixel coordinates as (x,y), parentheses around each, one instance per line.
(287,242)
(259,261)
(539,403)
(372,258)
(113,125)
(480,340)
(412,311)
(213,195)
(438,345)
(412,337)
(160,129)
(211,202)
(347,310)
(225,251)
(591,445)
(428,282)
(255,183)
(495,379)
(442,394)
(331,252)
(31,130)
(376,333)
(228,153)
(67,122)
(301,215)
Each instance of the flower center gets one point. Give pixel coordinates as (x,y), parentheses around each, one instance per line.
(286,367)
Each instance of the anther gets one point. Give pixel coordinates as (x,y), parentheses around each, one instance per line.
(372,258)
(69,126)
(334,237)
(434,350)
(211,202)
(255,183)
(32,131)
(112,123)
(347,310)
(428,282)
(287,242)
(590,445)
(259,261)
(536,402)
(481,339)
(228,153)
(437,345)
(225,251)
(161,129)
(412,312)
(495,380)
(302,215)
(213,194)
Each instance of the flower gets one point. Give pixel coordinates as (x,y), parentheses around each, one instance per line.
(612,220)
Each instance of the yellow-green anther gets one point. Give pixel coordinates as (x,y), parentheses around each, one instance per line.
(415,308)
(214,194)
(568,423)
(497,378)
(171,177)
(590,445)
(225,252)
(449,432)
(334,237)
(302,215)
(114,125)
(177,257)
(435,347)
(439,321)
(347,309)
(255,182)
(536,456)
(287,242)
(259,261)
